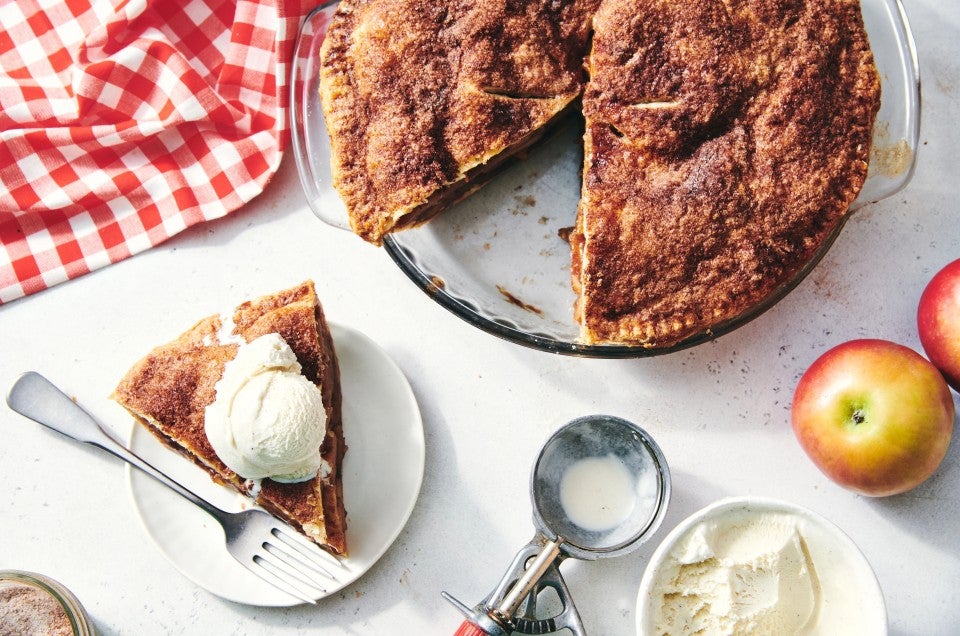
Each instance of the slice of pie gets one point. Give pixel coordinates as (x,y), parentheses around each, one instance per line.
(423,101)
(724,143)
(169,390)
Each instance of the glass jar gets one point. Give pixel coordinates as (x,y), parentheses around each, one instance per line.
(32,603)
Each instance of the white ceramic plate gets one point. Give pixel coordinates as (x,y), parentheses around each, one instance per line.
(382,472)
(851,600)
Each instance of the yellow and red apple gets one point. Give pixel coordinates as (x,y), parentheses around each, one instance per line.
(874,416)
(938,321)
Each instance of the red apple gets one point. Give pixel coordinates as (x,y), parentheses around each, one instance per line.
(874,416)
(938,321)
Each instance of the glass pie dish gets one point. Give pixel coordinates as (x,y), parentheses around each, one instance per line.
(499,260)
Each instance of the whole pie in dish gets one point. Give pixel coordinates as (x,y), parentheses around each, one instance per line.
(424,100)
(724,141)
(169,390)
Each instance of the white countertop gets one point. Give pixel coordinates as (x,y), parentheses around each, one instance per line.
(719,411)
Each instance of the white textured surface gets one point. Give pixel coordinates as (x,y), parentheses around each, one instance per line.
(719,411)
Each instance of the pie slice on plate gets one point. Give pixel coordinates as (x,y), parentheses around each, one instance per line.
(169,390)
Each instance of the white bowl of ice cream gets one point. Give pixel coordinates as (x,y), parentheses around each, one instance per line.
(759,566)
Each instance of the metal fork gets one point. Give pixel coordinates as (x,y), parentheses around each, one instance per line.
(268,548)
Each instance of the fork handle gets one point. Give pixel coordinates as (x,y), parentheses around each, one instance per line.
(35,397)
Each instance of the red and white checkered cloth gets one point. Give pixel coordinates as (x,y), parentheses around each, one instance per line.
(120,126)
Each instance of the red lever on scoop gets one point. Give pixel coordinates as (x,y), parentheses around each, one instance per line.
(469,629)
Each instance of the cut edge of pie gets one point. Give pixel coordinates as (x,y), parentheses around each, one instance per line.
(169,389)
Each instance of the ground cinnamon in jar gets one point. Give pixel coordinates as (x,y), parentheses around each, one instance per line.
(27,609)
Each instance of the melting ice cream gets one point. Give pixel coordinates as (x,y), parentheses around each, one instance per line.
(749,573)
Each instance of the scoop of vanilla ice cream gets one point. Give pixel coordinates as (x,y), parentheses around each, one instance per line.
(267,420)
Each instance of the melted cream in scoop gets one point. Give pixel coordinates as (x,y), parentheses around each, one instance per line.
(598,493)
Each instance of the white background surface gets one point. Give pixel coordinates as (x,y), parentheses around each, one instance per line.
(719,411)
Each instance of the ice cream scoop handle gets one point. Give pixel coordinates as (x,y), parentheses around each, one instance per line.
(469,629)
(35,397)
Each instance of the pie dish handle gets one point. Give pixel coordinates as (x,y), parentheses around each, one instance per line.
(896,132)
(310,143)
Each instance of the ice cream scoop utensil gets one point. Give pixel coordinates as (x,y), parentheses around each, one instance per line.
(266,547)
(610,449)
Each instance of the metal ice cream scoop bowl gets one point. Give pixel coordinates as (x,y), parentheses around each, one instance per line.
(600,488)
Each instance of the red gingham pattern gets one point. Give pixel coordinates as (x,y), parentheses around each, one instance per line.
(121,126)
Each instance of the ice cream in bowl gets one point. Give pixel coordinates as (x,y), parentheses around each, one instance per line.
(759,566)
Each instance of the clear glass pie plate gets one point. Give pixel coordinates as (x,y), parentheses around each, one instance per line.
(499,260)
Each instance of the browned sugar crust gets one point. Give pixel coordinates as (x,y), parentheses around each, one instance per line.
(417,94)
(169,390)
(724,143)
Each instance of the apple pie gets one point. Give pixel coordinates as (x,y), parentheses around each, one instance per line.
(724,143)
(169,390)
(425,100)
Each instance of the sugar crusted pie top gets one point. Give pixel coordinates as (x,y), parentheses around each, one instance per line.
(724,142)
(419,97)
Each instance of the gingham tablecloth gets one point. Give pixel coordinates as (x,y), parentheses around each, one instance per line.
(120,126)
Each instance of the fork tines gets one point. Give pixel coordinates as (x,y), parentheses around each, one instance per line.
(296,565)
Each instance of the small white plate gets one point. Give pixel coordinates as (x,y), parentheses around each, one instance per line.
(382,472)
